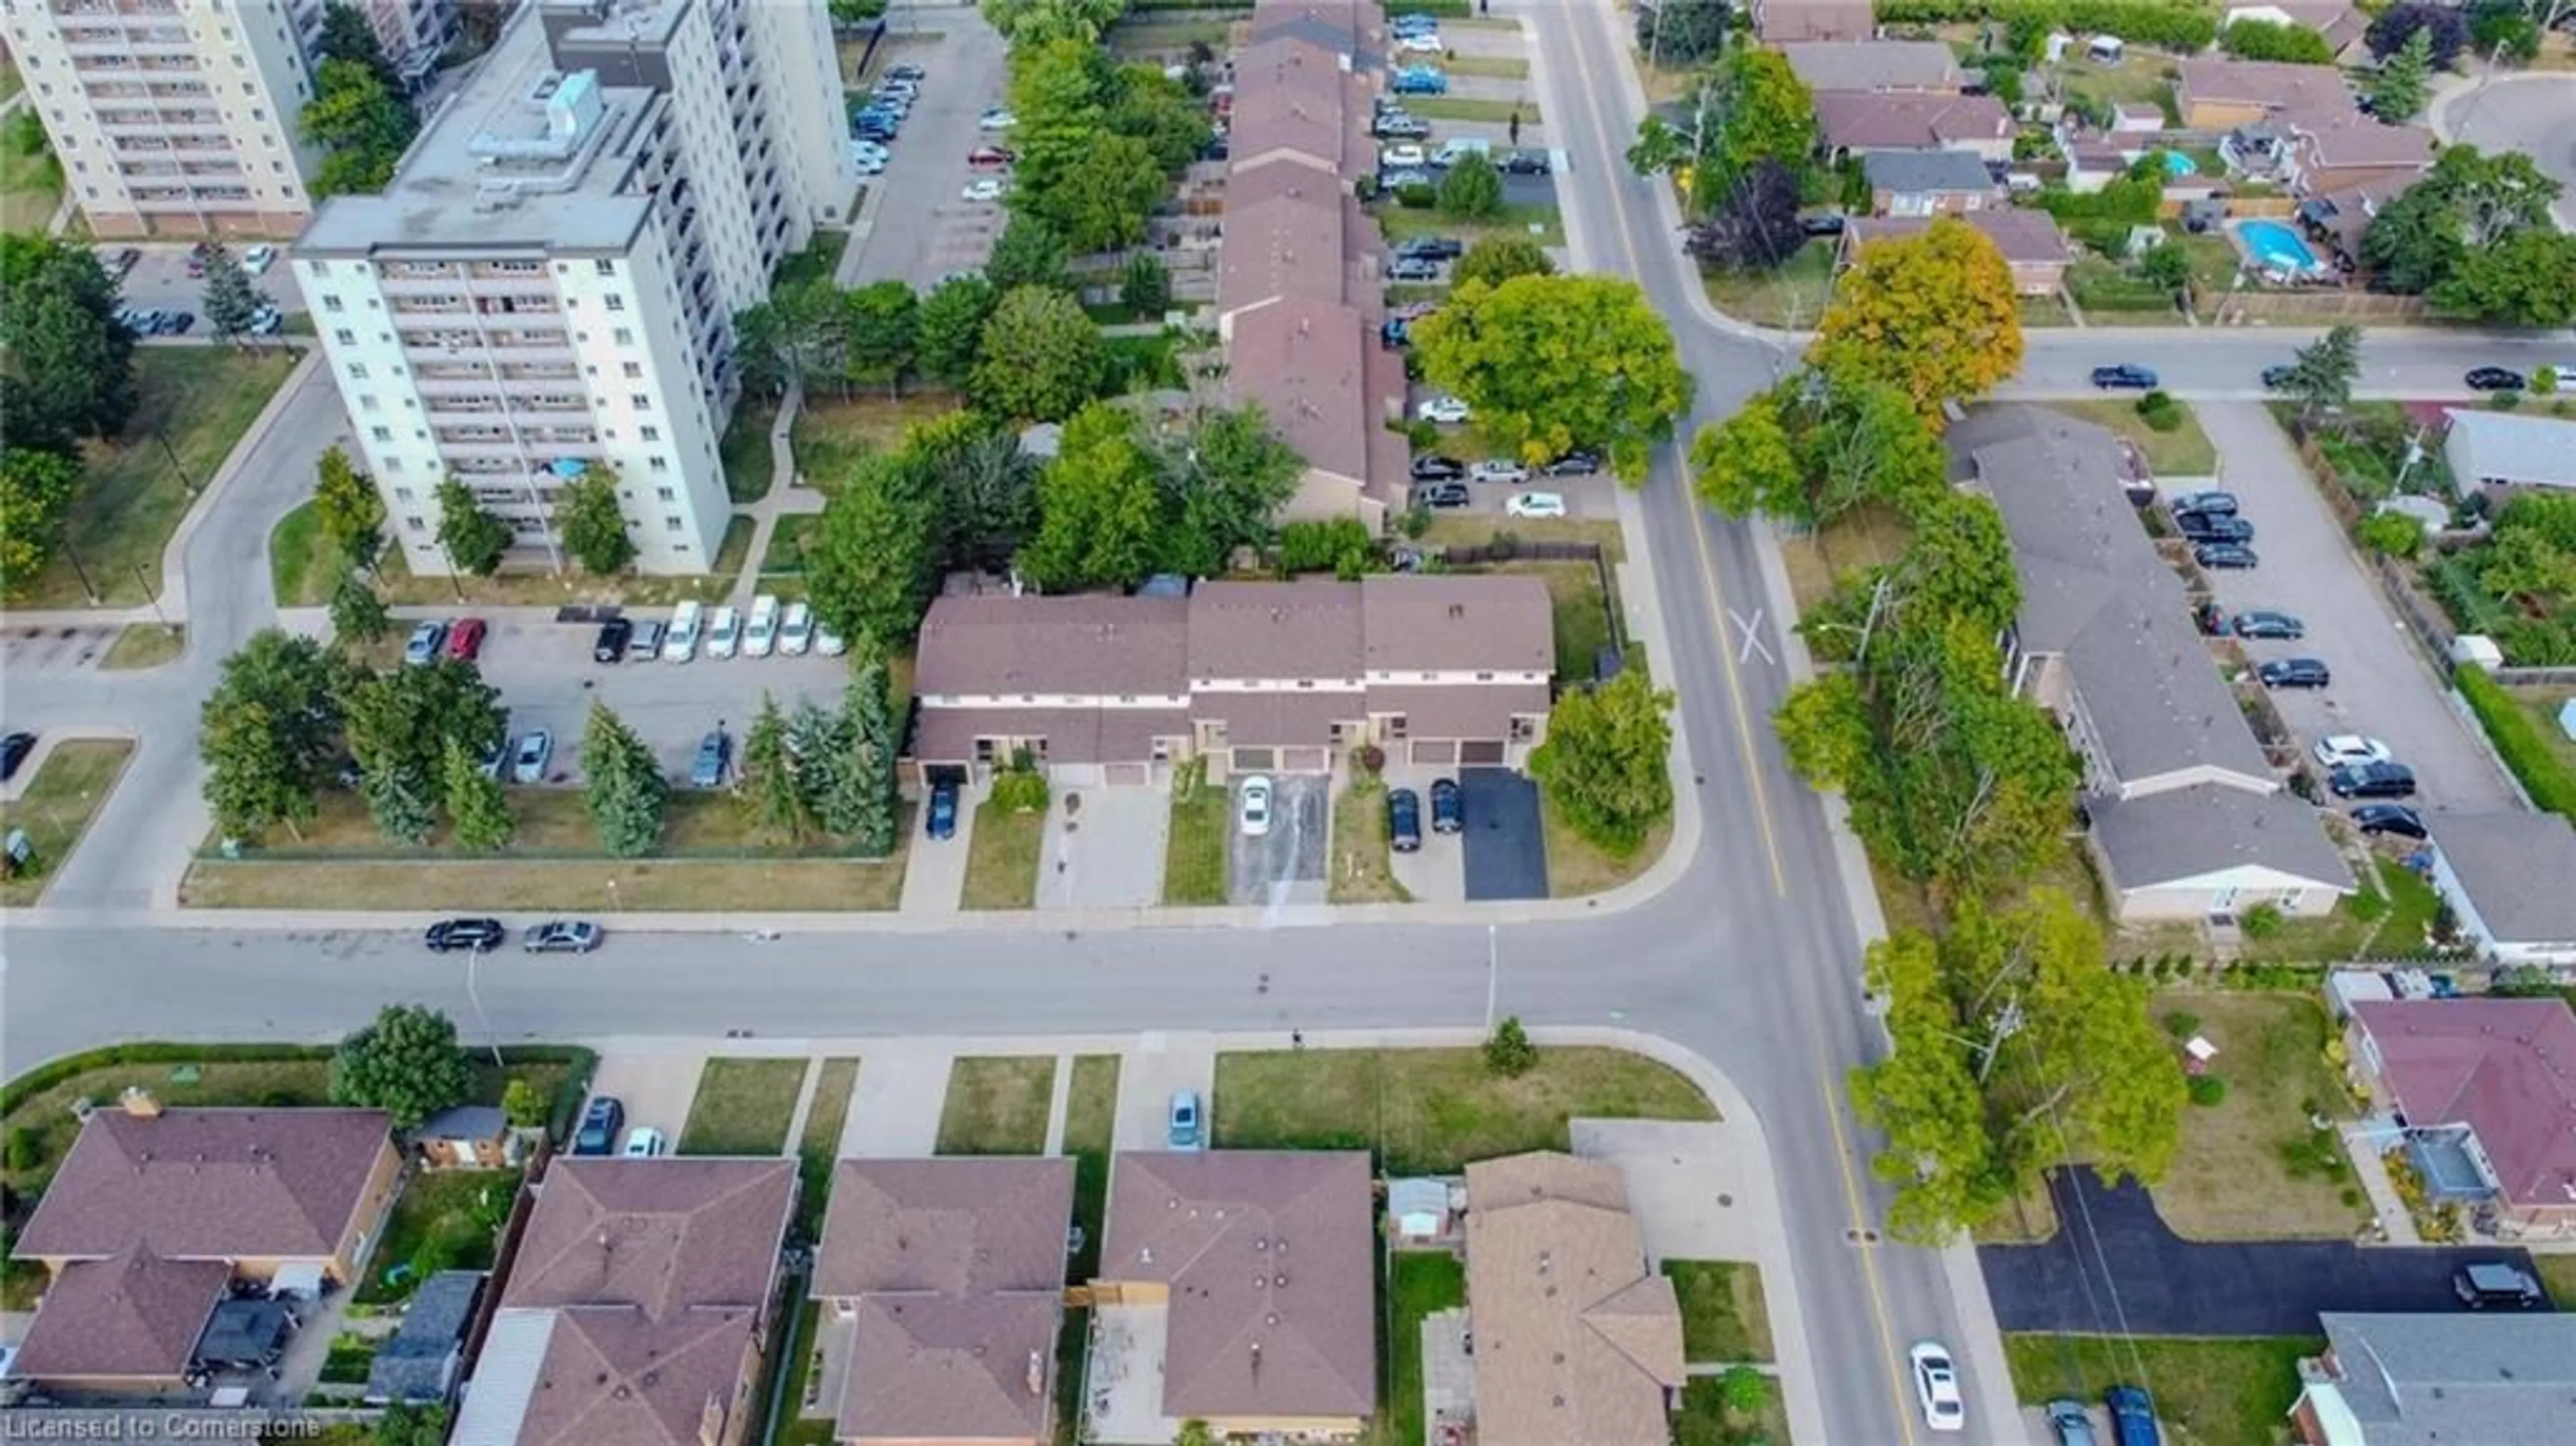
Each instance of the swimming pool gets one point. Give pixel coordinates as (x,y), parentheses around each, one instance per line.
(2178,165)
(2276,247)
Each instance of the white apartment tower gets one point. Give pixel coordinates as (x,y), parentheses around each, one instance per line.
(549,283)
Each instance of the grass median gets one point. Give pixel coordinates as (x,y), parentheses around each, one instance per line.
(67,792)
(1194,850)
(743,1107)
(997,1105)
(2186,451)
(1361,869)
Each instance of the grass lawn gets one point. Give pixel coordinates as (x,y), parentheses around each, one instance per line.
(746,451)
(820,1144)
(144,645)
(1002,858)
(2217,1391)
(1137,39)
(1790,295)
(46,1116)
(1723,1316)
(1420,1283)
(1704,1420)
(2558,1275)
(1430,1111)
(400,587)
(997,1105)
(786,555)
(1072,1343)
(742,1107)
(1359,870)
(1858,540)
(2543,705)
(459,1210)
(1577,867)
(1194,851)
(300,561)
(2249,1167)
(2352,931)
(1459,108)
(2139,77)
(1467,529)
(31,189)
(831,434)
(201,398)
(1090,1121)
(1543,224)
(1491,67)
(2185,451)
(56,807)
(2048,310)
(793,1428)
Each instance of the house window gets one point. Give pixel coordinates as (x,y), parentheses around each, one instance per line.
(1484,677)
(1395,726)
(345,337)
(983,750)
(1524,728)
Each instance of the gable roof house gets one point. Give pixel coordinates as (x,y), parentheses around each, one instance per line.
(1328,390)
(2188,820)
(2500,452)
(2506,875)
(420,1362)
(1926,183)
(2431,1380)
(2217,92)
(2485,1091)
(1262,1266)
(1778,21)
(2032,245)
(2351,152)
(1578,1338)
(637,1308)
(947,1278)
(1874,65)
(1848,121)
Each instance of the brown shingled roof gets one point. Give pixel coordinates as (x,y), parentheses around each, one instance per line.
(1307,363)
(1307,629)
(1460,710)
(614,1378)
(1270,1256)
(1776,21)
(2023,235)
(209,1184)
(1281,720)
(1496,622)
(2272,84)
(1286,235)
(1864,120)
(1081,644)
(132,1315)
(940,1368)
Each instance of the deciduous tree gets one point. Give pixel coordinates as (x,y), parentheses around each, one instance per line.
(794,336)
(1100,507)
(1472,190)
(1933,315)
(1227,476)
(1145,287)
(1682,33)
(270,732)
(2527,279)
(1060,92)
(1552,363)
(2270,40)
(1824,731)
(405,1062)
(1769,115)
(1103,198)
(771,797)
(1659,147)
(1497,259)
(362,126)
(348,509)
(868,563)
(398,724)
(951,331)
(1924,1095)
(2445,30)
(625,790)
(1031,251)
(347,34)
(36,491)
(1604,763)
(1749,463)
(475,539)
(1041,357)
(592,524)
(880,334)
(478,811)
(1752,224)
(66,363)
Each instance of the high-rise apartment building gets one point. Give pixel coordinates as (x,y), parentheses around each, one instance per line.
(548,285)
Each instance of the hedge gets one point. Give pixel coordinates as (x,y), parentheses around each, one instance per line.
(560,1113)
(2183,29)
(2518,741)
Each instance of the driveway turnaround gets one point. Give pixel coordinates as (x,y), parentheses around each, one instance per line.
(1506,848)
(2115,1267)
(1285,865)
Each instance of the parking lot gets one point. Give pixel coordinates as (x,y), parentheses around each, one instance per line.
(918,225)
(2382,687)
(160,280)
(28,650)
(1285,865)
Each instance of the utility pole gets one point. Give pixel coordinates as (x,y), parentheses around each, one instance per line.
(176,465)
(72,556)
(2007,1024)
(157,615)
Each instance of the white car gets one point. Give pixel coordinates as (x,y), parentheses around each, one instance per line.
(987,189)
(1936,1387)
(1253,807)
(2350,748)
(724,635)
(680,644)
(996,119)
(1496,469)
(862,146)
(1396,158)
(867,165)
(1536,504)
(1447,410)
(796,631)
(258,259)
(829,643)
(760,636)
(643,1143)
(1427,43)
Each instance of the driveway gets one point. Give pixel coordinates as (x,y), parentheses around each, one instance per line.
(1104,848)
(1435,873)
(919,228)
(2382,687)
(655,1088)
(1505,845)
(1159,1064)
(2114,1266)
(1285,865)
(1695,1188)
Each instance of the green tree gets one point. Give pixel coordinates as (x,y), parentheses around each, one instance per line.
(1145,287)
(1508,1051)
(357,614)
(1041,357)
(1939,1156)
(524,1106)
(1824,731)
(951,333)
(1604,763)
(1744,1390)
(772,799)
(1552,363)
(475,539)
(868,564)
(362,126)
(1934,315)
(1195,1432)
(2404,80)
(1959,568)
(1682,33)
(625,790)
(1498,259)
(36,491)
(1031,251)
(1060,93)
(795,336)
(1102,521)
(864,801)
(400,803)
(270,733)
(1472,190)
(406,1063)
(1102,199)
(819,741)
(986,489)
(404,1424)
(398,724)
(2527,279)
(1036,22)
(1660,147)
(2322,373)
(1227,476)
(2393,534)
(1749,463)
(66,362)
(477,808)
(591,524)
(348,35)
(1168,115)
(1769,116)
(881,334)
(2269,40)
(231,302)
(348,509)
(2168,269)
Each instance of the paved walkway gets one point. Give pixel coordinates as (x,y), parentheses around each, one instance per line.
(783,499)
(894,1113)
(2362,1148)
(1056,1100)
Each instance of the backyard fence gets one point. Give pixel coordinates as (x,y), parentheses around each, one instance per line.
(1512,549)
(2319,306)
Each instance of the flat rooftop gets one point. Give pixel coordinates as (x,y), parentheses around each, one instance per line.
(524,157)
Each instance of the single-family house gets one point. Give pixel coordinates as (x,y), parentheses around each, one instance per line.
(638,1308)
(2507,878)
(1778,22)
(2186,817)
(2033,246)
(1257,1271)
(156,1214)
(1926,183)
(2346,153)
(464,1137)
(2504,452)
(419,1363)
(2416,1380)
(2337,221)
(1874,65)
(1849,122)
(2481,1094)
(944,1282)
(2217,93)
(1577,1336)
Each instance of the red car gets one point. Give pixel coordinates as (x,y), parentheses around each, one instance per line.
(465,639)
(985,157)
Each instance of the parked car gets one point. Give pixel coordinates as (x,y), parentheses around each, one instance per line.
(2216,504)
(643,1143)
(681,644)
(2496,379)
(1419,42)
(985,158)
(2488,1286)
(1400,125)
(2133,1416)
(1403,820)
(561,936)
(1412,22)
(1400,181)
(1527,163)
(610,645)
(646,645)
(760,635)
(987,189)
(2339,749)
(2226,556)
(267,321)
(1432,467)
(1448,806)
(1829,223)
(1443,495)
(1936,1386)
(1430,248)
(478,935)
(13,752)
(1445,410)
(796,630)
(2214,527)
(2068,1425)
(599,1126)
(1536,504)
(724,635)
(996,118)
(2393,819)
(940,819)
(827,642)
(715,754)
(257,259)
(2295,673)
(1252,806)
(1574,464)
(465,639)
(907,71)
(1184,1124)
(1397,157)
(2264,624)
(2278,376)
(124,260)
(536,750)
(426,637)
(2372,780)
(490,763)
(1498,469)
(1420,80)
(2126,374)
(1412,268)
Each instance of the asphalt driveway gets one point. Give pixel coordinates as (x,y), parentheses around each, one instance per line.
(1506,848)
(2382,687)
(1285,865)
(2114,1266)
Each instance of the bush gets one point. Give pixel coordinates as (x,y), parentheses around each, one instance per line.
(22,1152)
(1021,788)
(2518,741)
(2391,533)
(1421,196)
(2261,922)
(2161,411)
(1508,1051)
(1335,546)
(2181,28)
(2181,1024)
(2208,1091)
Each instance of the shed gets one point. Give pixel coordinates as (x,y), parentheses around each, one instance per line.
(2105,49)
(419,1363)
(464,1137)
(1419,1207)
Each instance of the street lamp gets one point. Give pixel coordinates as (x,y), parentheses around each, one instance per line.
(614,907)
(474,996)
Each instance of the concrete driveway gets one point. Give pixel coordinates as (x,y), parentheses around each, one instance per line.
(2382,687)
(656,1088)
(917,226)
(1286,865)
(1694,1189)
(1435,873)
(1103,848)
(1159,1064)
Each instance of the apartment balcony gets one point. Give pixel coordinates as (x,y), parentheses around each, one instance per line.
(435,348)
(468,379)
(388,271)
(114,7)
(162,123)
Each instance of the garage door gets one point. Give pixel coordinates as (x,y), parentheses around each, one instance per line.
(1305,760)
(1475,751)
(1129,775)
(1253,760)
(1434,751)
(1074,775)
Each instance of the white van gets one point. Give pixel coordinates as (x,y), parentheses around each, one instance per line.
(762,633)
(1459,148)
(681,644)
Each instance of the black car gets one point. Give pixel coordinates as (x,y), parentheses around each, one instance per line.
(13,751)
(480,935)
(1430,248)
(2225,556)
(2295,673)
(610,645)
(599,1127)
(1394,333)
(2390,818)
(2267,625)
(2372,780)
(1448,806)
(2491,1285)
(1404,820)
(2214,527)
(2221,504)
(1435,468)
(1574,464)
(1826,225)
(2126,374)
(909,72)
(1527,163)
(2277,377)
(1413,268)
(2496,379)
(178,322)
(1442,494)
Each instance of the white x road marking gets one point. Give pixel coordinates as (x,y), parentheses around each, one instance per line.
(1753,645)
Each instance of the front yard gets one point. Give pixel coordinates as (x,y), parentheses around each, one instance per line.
(68,789)
(1430,1111)
(2230,1391)
(743,1107)
(1724,1318)
(1194,851)
(1789,295)
(1577,867)
(2250,1167)
(997,1105)
(2186,451)
(1543,224)
(1360,869)
(1002,857)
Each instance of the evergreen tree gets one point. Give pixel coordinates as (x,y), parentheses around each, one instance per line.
(398,799)
(771,794)
(231,302)
(870,724)
(2405,80)
(357,614)
(626,790)
(476,807)
(814,738)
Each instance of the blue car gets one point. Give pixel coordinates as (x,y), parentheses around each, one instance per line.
(2133,1416)
(1420,80)
(942,821)
(1412,22)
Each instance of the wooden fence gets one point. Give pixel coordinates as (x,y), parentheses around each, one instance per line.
(2322,306)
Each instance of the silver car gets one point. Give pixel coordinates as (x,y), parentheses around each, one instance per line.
(536,750)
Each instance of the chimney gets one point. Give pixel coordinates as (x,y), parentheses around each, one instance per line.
(139,1103)
(1037,1374)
